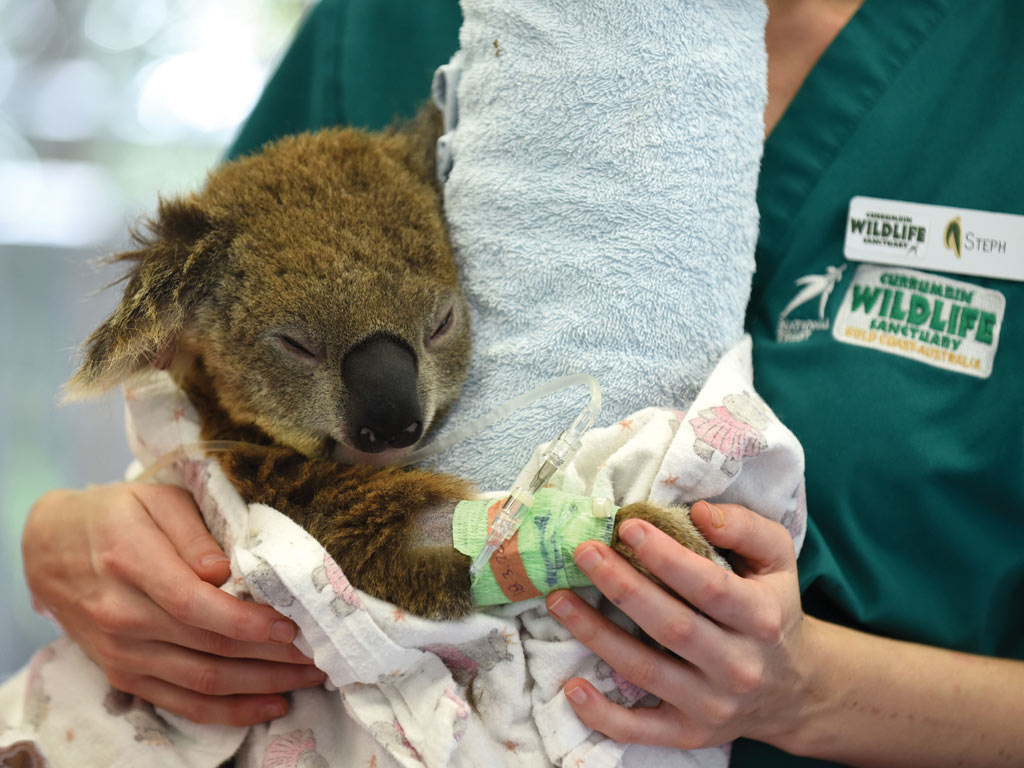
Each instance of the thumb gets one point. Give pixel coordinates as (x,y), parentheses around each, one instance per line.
(175,513)
(763,545)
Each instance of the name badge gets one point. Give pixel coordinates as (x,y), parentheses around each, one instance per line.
(936,238)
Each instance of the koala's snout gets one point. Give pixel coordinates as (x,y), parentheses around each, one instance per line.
(384,410)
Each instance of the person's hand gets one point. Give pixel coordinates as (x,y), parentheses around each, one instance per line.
(130,571)
(738,666)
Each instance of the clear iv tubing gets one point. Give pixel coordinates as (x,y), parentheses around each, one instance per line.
(583,422)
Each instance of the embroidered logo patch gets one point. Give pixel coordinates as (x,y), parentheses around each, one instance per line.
(811,287)
(928,318)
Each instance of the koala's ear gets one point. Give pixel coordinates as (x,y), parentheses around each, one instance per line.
(172,270)
(415,142)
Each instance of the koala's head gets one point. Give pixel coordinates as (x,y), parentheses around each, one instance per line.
(315,285)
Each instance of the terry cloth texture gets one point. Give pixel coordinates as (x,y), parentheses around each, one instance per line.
(603,165)
(400,686)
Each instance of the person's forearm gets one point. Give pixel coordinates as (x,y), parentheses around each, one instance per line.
(874,701)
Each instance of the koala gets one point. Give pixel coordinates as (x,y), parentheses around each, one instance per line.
(308,303)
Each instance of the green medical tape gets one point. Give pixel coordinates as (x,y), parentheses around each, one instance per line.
(551,529)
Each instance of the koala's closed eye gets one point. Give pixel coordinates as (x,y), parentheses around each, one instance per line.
(443,327)
(297,347)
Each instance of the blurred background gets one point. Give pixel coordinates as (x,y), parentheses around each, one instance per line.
(104,104)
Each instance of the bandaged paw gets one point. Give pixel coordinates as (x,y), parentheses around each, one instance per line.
(539,558)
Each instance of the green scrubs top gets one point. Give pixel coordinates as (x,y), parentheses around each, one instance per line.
(915,472)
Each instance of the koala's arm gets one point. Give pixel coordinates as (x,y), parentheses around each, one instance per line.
(368,520)
(373,523)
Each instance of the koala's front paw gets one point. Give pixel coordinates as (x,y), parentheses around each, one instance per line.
(674,521)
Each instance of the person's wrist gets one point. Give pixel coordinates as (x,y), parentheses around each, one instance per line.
(798,728)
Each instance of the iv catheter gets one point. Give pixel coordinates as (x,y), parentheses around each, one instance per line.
(558,454)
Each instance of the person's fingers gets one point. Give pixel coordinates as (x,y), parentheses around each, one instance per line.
(214,675)
(662,725)
(219,645)
(133,616)
(198,604)
(153,565)
(638,663)
(663,616)
(173,510)
(239,710)
(728,599)
(763,544)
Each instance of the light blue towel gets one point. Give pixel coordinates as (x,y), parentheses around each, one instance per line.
(602,162)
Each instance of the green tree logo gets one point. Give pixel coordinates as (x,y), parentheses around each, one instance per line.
(953,236)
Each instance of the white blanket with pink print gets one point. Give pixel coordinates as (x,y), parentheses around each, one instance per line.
(399,686)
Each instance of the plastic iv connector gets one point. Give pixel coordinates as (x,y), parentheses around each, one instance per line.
(558,454)
(519,500)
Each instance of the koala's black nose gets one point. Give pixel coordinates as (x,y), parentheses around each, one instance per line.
(384,405)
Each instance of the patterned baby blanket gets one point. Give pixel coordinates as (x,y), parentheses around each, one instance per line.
(404,691)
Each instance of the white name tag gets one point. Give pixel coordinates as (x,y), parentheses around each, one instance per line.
(935,237)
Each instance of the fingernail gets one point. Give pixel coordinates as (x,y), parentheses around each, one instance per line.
(717,518)
(211,561)
(561,607)
(632,533)
(282,632)
(577,694)
(588,559)
(273,711)
(314,675)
